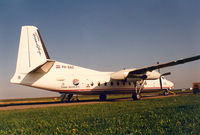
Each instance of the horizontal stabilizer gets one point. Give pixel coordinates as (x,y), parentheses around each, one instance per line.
(45,67)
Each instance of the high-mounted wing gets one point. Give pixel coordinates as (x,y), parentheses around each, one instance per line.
(168,64)
(147,72)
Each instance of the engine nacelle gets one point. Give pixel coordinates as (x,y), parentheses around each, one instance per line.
(124,74)
(153,75)
(120,75)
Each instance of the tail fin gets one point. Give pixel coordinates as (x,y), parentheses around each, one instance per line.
(32,52)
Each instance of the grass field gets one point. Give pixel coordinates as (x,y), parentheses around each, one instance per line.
(173,115)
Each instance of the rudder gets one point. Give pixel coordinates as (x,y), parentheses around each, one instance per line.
(32,52)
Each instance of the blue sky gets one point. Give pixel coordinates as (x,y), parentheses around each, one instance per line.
(106,35)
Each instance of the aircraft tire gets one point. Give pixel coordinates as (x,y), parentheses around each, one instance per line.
(136,96)
(165,93)
(102,97)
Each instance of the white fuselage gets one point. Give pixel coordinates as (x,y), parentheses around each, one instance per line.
(65,78)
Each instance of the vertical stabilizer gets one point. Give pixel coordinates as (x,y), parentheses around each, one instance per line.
(32,52)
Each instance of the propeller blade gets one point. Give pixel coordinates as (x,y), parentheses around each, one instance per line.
(158,68)
(160,83)
(165,74)
(160,79)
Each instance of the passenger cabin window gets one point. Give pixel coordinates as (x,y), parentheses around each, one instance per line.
(111,83)
(105,84)
(129,83)
(117,83)
(98,83)
(124,83)
(92,83)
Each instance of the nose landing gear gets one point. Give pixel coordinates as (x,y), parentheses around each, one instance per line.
(139,85)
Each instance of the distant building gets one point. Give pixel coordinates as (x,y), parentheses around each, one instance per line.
(196,87)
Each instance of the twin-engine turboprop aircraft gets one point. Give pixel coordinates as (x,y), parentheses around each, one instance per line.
(35,69)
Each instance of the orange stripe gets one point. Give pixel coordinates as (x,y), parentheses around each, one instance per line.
(93,90)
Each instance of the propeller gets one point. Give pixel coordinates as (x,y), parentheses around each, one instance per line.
(165,74)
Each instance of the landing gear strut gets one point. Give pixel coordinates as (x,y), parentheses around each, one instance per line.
(102,97)
(69,97)
(63,96)
(139,85)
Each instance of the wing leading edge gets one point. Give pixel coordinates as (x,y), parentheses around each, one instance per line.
(141,72)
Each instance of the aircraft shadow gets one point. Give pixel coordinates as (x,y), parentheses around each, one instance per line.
(80,101)
(58,102)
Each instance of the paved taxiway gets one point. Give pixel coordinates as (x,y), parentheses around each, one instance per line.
(84,102)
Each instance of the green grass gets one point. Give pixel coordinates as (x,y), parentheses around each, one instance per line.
(173,115)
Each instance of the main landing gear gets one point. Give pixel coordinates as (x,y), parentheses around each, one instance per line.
(63,96)
(139,86)
(136,96)
(102,97)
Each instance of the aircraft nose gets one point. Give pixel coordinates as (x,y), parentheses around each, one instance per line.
(171,85)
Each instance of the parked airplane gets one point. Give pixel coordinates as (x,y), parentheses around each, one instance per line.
(35,69)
